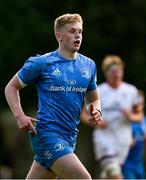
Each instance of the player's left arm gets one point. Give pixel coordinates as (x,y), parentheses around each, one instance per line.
(84,116)
(93,107)
(136,114)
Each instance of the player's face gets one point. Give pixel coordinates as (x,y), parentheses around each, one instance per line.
(71,37)
(114,75)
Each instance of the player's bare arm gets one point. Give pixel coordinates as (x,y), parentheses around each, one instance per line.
(93,106)
(13,98)
(135,115)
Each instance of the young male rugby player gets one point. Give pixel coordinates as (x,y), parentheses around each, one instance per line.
(64,79)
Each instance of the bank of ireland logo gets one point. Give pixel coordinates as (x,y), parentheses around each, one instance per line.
(71,81)
(85,73)
(56,72)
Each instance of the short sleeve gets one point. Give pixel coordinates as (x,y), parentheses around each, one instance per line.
(136,97)
(93,82)
(31,70)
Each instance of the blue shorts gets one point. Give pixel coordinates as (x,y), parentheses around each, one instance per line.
(50,146)
(135,171)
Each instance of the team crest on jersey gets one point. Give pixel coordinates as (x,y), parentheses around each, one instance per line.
(56,72)
(85,73)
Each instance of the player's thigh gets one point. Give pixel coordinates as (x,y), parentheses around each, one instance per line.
(37,171)
(70,167)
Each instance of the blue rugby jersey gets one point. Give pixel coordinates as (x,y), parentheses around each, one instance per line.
(61,86)
(137,151)
(134,164)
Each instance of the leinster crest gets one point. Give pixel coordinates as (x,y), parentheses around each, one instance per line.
(85,73)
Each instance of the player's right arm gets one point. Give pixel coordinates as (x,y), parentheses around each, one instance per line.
(13,98)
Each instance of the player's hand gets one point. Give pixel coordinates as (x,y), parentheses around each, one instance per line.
(127,114)
(96,118)
(103,124)
(25,123)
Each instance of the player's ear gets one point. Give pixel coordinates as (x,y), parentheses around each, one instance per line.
(58,36)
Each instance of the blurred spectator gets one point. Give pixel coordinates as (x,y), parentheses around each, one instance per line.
(133,167)
(113,137)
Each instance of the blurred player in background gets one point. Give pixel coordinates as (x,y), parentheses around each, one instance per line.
(64,80)
(133,167)
(113,137)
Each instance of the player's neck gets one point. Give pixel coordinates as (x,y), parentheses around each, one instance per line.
(115,85)
(67,54)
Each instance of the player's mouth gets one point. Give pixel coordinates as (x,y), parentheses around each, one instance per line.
(77,43)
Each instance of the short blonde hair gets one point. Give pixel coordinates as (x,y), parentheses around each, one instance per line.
(65,19)
(110,60)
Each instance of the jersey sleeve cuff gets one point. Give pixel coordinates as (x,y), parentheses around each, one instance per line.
(20,81)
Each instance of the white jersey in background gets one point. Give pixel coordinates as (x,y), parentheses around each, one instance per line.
(117,137)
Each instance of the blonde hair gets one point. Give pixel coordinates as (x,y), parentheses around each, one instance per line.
(65,19)
(110,60)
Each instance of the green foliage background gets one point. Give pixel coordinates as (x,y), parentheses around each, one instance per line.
(110,27)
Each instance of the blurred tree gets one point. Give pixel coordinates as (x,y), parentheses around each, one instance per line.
(109,27)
